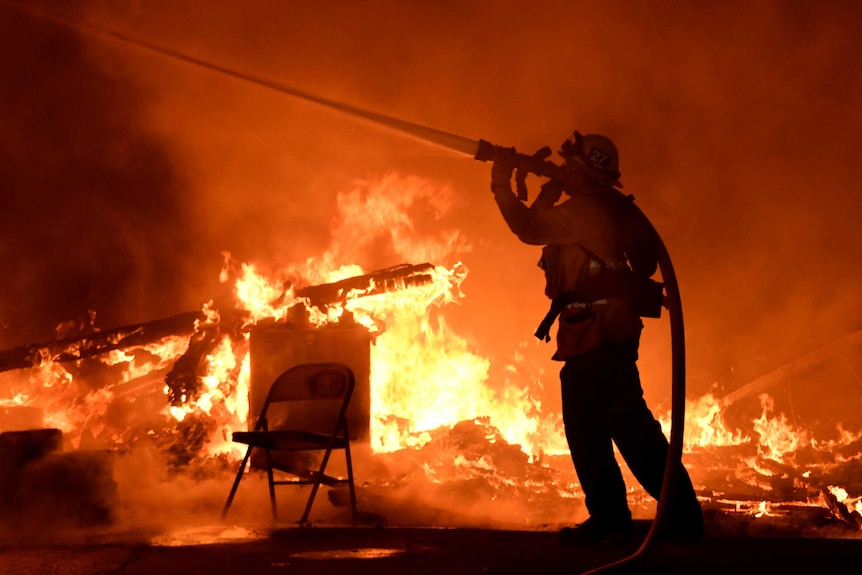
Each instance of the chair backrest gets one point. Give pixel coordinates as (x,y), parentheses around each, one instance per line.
(310,397)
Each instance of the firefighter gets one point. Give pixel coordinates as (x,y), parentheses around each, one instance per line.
(598,258)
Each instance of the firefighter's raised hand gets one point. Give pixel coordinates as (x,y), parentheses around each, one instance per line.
(505,162)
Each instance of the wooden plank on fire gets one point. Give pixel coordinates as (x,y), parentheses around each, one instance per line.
(92,344)
(798,365)
(183,381)
(97,343)
(382,281)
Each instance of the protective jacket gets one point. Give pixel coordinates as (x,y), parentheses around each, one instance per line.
(597,247)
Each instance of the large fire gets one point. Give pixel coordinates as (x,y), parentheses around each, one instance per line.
(425,379)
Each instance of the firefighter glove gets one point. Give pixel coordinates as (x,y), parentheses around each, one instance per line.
(505,162)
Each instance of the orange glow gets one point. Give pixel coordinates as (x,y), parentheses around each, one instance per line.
(704,425)
(763,509)
(424,376)
(852,503)
(161,355)
(778,439)
(262,297)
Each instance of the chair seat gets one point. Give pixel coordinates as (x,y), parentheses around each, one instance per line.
(288,440)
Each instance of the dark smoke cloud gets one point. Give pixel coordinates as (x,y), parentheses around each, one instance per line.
(737,122)
(93,216)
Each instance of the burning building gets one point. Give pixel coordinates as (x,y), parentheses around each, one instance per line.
(429,412)
(467,426)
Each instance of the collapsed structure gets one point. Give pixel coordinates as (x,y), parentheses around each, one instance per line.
(185,398)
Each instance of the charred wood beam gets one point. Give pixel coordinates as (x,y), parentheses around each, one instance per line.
(97,343)
(396,278)
(183,381)
(792,368)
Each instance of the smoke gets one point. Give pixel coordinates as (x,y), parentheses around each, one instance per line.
(382,221)
(93,213)
(737,125)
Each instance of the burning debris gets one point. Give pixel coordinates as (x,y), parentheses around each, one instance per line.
(184,381)
(768,463)
(436,435)
(193,377)
(95,342)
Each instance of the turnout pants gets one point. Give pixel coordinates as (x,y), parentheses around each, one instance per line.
(603,403)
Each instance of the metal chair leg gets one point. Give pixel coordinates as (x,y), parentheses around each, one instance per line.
(317,480)
(350,484)
(271,485)
(236,481)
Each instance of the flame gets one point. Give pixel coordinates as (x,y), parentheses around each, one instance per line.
(422,373)
(763,509)
(778,439)
(851,503)
(704,425)
(225,385)
(160,355)
(260,296)
(224,399)
(424,377)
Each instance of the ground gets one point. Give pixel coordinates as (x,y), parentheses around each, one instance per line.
(226,548)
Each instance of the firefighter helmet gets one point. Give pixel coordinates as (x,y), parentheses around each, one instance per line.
(598,153)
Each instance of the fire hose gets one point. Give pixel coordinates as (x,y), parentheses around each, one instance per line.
(673,464)
(483,151)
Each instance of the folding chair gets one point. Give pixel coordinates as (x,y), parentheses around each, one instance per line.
(316,396)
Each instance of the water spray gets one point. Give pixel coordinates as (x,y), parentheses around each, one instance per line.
(485,151)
